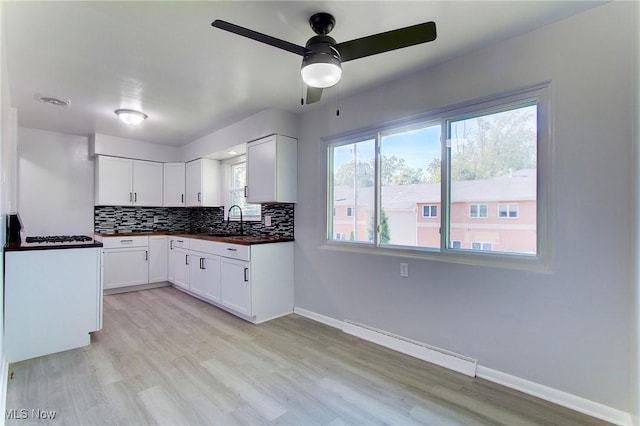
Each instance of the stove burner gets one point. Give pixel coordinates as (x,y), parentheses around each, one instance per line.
(58,239)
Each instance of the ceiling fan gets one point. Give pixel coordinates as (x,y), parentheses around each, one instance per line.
(322,57)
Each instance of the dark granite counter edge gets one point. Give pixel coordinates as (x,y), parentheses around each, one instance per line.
(19,247)
(242,240)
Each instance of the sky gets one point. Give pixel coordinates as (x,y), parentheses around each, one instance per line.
(417,147)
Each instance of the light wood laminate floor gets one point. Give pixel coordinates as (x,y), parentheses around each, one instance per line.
(166,358)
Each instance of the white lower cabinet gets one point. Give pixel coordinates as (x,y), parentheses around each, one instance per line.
(157,258)
(253,282)
(181,268)
(125,262)
(205,276)
(235,288)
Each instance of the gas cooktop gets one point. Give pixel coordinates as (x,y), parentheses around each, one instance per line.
(53,242)
(58,239)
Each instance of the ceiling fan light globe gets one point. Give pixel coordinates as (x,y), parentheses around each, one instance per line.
(321,75)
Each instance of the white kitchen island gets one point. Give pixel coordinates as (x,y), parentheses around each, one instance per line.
(53,300)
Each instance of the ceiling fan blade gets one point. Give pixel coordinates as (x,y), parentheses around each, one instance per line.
(384,42)
(313,94)
(263,38)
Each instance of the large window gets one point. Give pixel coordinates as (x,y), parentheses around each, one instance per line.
(444,183)
(236,183)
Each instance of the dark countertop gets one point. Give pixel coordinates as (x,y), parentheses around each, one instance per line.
(22,246)
(245,240)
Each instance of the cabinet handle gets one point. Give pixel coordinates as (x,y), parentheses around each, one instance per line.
(186,259)
(198,197)
(171,245)
(182,198)
(146,255)
(180,241)
(202,263)
(245,191)
(125,241)
(245,274)
(135,197)
(231,249)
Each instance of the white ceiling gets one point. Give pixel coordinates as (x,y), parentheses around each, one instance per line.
(165,59)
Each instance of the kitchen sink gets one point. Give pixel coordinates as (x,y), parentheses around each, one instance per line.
(223,234)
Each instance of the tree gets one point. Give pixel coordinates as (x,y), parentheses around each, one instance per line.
(493,145)
(344,174)
(394,171)
(385,233)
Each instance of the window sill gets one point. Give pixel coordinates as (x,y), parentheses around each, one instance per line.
(537,264)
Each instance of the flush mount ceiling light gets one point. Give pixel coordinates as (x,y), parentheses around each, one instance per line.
(54,101)
(130,116)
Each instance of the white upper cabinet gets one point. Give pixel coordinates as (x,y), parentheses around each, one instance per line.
(272,170)
(174,184)
(202,183)
(126,182)
(113,181)
(147,183)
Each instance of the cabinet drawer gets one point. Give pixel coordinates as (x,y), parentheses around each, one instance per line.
(234,251)
(179,243)
(123,242)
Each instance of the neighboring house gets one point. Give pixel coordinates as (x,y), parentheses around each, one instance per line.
(497,214)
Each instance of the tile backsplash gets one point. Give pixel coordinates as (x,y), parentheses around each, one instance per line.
(115,219)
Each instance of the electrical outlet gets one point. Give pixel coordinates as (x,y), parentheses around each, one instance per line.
(404,270)
(156,219)
(267,220)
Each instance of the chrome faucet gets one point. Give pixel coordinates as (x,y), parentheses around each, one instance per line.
(229,217)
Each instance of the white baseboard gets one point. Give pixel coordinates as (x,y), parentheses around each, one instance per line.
(470,367)
(441,357)
(565,399)
(319,318)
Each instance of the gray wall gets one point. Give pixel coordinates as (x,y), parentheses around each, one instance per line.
(572,330)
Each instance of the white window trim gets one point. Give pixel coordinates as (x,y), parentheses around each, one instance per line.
(478,217)
(226,164)
(508,206)
(430,205)
(540,263)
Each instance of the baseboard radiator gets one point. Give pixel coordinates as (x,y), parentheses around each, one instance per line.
(432,354)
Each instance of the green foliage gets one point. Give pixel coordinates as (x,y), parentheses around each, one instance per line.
(493,145)
(394,171)
(385,232)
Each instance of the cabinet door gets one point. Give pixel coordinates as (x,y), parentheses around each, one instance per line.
(205,276)
(147,183)
(235,285)
(211,277)
(196,274)
(193,183)
(171,255)
(181,268)
(114,181)
(261,170)
(125,267)
(157,259)
(174,184)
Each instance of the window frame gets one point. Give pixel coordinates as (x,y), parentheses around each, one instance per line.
(478,210)
(508,216)
(539,94)
(431,206)
(228,165)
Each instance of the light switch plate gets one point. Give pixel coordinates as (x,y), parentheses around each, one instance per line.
(267,220)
